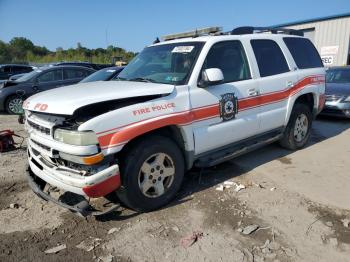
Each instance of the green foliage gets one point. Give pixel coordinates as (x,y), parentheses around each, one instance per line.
(22,50)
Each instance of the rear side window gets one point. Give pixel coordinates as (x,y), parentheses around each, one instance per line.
(54,75)
(230,57)
(269,57)
(303,51)
(75,73)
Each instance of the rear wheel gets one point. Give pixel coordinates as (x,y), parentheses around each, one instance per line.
(297,132)
(152,173)
(14,105)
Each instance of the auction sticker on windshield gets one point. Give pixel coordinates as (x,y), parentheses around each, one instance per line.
(183,49)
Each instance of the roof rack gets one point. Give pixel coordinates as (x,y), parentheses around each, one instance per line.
(194,33)
(273,30)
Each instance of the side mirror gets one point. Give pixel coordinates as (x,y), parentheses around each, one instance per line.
(211,76)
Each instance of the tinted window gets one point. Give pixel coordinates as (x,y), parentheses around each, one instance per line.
(75,73)
(21,69)
(269,56)
(303,51)
(7,69)
(338,76)
(230,57)
(54,75)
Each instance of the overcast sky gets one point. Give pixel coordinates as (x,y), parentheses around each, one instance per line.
(133,24)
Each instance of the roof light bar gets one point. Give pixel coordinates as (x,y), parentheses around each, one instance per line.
(194,33)
(273,30)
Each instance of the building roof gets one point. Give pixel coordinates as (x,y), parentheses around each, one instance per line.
(312,20)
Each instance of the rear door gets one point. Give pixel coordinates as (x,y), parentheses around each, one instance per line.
(74,75)
(309,64)
(276,82)
(221,114)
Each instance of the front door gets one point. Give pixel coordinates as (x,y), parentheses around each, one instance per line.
(222,113)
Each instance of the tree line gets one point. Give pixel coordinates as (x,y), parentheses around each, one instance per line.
(22,50)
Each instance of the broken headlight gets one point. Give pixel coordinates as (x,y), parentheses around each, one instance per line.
(77,138)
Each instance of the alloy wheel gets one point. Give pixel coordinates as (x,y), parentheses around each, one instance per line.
(156,175)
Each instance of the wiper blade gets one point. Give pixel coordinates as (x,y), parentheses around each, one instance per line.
(142,79)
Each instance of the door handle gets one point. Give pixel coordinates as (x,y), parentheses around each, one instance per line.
(253,92)
(290,83)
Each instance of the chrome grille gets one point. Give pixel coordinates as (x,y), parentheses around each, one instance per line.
(39,128)
(41,145)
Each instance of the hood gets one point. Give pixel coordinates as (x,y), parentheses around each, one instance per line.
(65,100)
(338,89)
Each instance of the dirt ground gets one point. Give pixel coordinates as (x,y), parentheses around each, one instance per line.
(299,201)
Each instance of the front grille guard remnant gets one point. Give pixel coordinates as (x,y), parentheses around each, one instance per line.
(82,208)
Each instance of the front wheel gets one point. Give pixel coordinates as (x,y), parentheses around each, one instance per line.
(297,132)
(152,173)
(14,105)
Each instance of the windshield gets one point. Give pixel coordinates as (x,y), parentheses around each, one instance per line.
(338,76)
(28,76)
(165,64)
(101,75)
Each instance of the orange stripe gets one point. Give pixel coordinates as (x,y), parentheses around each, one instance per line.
(128,132)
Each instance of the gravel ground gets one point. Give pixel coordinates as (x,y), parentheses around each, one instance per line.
(298,201)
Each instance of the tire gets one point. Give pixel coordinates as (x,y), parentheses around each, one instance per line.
(146,168)
(13,105)
(298,129)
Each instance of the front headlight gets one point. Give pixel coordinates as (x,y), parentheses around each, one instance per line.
(78,138)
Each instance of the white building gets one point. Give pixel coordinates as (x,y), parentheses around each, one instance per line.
(330,35)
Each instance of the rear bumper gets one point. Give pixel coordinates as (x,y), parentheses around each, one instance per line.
(96,185)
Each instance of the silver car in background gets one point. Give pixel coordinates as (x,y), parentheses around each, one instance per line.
(337,92)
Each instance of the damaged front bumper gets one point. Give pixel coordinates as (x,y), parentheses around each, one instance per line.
(41,172)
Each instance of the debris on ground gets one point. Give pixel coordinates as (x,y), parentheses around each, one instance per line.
(14,206)
(220,188)
(272,188)
(239,187)
(329,223)
(175,228)
(108,258)
(345,222)
(191,239)
(55,250)
(248,229)
(229,184)
(89,244)
(113,230)
(333,241)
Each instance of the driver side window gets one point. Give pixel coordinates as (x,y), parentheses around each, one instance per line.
(229,56)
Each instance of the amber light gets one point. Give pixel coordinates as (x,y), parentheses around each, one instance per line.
(91,160)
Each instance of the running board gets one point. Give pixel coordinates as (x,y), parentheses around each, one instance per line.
(236,150)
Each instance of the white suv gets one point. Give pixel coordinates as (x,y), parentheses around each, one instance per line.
(194,99)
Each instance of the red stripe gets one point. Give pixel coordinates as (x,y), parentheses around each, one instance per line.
(130,131)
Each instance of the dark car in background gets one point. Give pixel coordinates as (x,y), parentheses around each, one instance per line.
(8,70)
(85,64)
(337,92)
(13,93)
(105,74)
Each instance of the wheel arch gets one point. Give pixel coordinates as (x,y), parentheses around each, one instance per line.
(309,99)
(175,133)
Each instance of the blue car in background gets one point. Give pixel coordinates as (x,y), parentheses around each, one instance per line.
(337,92)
